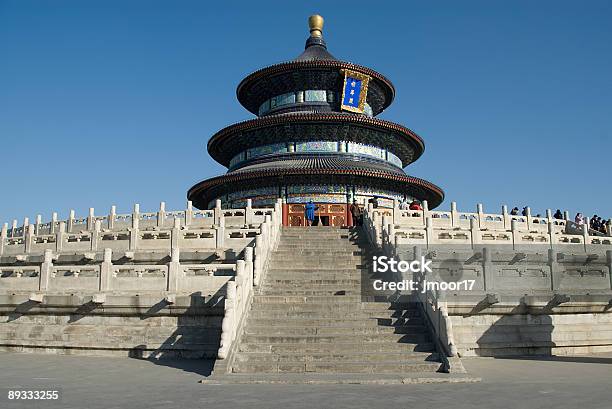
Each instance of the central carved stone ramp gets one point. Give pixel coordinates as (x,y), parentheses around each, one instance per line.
(308,316)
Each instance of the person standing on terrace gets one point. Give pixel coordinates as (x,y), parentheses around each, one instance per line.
(310,212)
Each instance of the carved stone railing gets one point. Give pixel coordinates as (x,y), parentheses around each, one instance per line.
(249,273)
(426,227)
(188,229)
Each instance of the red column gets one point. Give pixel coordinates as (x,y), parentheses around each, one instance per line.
(285,214)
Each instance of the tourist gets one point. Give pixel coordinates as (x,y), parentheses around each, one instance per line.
(310,212)
(356,213)
(593,222)
(579,219)
(403,204)
(524,213)
(415,205)
(374,202)
(558,215)
(514,212)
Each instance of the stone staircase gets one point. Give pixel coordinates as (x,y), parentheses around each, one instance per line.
(308,315)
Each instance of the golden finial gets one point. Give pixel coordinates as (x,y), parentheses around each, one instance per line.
(315,22)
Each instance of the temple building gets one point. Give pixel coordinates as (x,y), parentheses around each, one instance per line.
(316,137)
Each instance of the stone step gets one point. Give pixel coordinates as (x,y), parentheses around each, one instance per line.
(336,330)
(323,252)
(323,313)
(288,274)
(343,367)
(336,338)
(307,282)
(337,306)
(308,259)
(302,300)
(353,347)
(316,264)
(300,291)
(401,357)
(344,322)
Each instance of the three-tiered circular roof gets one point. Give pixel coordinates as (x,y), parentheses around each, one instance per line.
(314,69)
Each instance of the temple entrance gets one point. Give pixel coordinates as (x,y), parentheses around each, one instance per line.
(327,214)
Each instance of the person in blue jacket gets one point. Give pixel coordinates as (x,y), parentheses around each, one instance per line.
(310,212)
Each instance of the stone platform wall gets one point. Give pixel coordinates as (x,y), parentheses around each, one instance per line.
(164,284)
(540,286)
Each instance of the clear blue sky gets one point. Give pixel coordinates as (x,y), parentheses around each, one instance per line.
(112,102)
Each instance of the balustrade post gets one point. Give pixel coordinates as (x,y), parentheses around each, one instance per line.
(475,232)
(227,325)
(96,235)
(70,221)
(53,227)
(174,271)
(555,271)
(189,214)
(29,237)
(248,258)
(506,217)
(175,234)
(37,224)
(258,262)
(480,212)
(585,234)
(218,211)
(26,223)
(220,242)
(248,213)
(135,230)
(240,273)
(106,270)
(111,217)
(396,212)
(425,205)
(91,219)
(45,270)
(3,237)
(429,233)
(454,215)
(529,219)
(14,228)
(161,214)
(59,236)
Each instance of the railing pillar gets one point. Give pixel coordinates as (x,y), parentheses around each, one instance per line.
(220,232)
(70,221)
(425,205)
(161,214)
(248,212)
(106,270)
(91,219)
(13,228)
(429,233)
(45,270)
(515,234)
(96,235)
(111,217)
(188,214)
(506,217)
(218,211)
(135,230)
(37,224)
(174,270)
(480,212)
(59,236)
(175,234)
(29,237)
(3,237)
(454,215)
(53,227)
